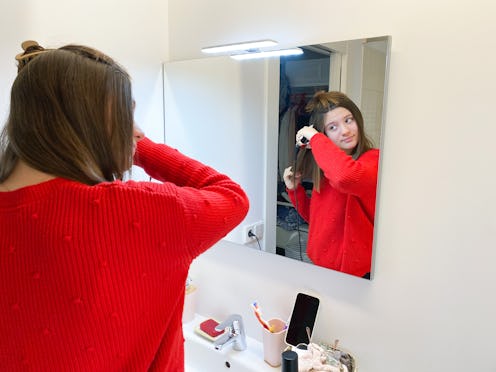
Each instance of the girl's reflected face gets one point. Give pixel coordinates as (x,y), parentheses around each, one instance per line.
(340,126)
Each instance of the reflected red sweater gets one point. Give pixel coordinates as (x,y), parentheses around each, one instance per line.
(341,215)
(92,278)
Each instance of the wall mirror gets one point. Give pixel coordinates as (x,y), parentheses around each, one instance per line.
(233,115)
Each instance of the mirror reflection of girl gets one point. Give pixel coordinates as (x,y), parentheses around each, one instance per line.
(342,163)
(93,267)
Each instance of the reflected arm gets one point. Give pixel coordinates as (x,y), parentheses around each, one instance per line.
(349,176)
(301,201)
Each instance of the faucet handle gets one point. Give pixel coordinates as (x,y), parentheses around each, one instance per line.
(229,322)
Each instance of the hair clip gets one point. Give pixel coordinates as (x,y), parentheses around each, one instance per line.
(31,48)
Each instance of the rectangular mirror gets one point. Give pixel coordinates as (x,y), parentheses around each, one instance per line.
(229,114)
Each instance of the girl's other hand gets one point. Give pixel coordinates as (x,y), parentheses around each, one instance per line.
(138,135)
(291,180)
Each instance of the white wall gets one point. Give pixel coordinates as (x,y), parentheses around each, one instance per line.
(430,306)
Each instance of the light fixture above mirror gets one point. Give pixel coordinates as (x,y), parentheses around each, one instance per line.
(268,53)
(252,50)
(244,46)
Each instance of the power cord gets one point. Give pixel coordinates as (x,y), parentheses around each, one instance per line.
(252,235)
(296,204)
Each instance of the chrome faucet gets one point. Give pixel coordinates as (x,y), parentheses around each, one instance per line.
(234,333)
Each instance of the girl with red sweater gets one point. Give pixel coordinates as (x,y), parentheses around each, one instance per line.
(93,268)
(339,158)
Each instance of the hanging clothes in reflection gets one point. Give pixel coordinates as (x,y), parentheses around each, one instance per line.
(292,119)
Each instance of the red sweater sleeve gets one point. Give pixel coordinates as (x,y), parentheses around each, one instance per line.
(208,204)
(301,201)
(349,176)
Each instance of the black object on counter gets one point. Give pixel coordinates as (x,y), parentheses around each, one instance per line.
(289,361)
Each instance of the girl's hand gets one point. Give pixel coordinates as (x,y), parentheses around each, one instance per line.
(291,180)
(308,132)
(138,135)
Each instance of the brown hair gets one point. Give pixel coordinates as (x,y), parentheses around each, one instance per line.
(321,103)
(71,115)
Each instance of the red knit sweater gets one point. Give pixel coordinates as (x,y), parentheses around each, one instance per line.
(341,215)
(92,278)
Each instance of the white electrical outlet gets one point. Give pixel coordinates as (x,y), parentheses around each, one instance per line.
(255,228)
(246,229)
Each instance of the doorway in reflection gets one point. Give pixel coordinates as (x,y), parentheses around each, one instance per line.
(300,78)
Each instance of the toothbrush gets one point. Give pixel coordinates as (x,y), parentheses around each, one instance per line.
(258,315)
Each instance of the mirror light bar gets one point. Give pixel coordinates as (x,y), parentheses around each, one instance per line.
(239,46)
(269,53)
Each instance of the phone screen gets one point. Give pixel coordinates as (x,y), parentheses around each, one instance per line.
(302,318)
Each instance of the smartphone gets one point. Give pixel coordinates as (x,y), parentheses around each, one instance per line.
(302,319)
